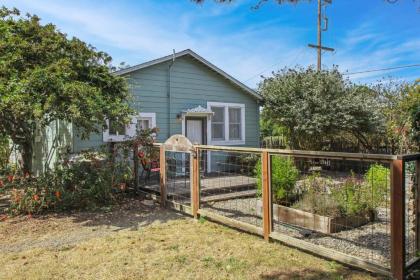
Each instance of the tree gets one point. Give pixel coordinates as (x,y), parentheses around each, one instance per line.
(45,76)
(400,104)
(319,105)
(270,128)
(414,109)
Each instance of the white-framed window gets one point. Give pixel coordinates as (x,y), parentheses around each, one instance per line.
(227,125)
(117,133)
(146,120)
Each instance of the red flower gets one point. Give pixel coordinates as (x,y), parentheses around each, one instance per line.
(36,197)
(10,178)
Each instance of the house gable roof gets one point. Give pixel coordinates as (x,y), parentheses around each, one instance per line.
(197,57)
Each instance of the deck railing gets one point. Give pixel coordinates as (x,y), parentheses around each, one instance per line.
(359,209)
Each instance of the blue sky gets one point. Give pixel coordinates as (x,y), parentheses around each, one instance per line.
(367,34)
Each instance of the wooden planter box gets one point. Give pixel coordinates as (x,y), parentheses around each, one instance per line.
(316,222)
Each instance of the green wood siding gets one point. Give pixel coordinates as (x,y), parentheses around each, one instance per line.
(192,84)
(49,142)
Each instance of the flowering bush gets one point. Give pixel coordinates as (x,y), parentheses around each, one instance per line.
(30,195)
(89,182)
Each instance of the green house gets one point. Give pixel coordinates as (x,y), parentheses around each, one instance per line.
(181,93)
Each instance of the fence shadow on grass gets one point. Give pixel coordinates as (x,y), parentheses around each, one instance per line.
(132,214)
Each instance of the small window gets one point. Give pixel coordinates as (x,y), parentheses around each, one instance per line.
(143,123)
(234,123)
(118,133)
(116,128)
(218,123)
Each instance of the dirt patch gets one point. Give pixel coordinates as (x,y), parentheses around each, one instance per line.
(67,229)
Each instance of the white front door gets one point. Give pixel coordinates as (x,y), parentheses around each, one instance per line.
(195,131)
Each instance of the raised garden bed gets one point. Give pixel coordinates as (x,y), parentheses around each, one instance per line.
(316,222)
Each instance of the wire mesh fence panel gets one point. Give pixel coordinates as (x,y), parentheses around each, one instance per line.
(178,187)
(342,205)
(149,170)
(229,185)
(411,187)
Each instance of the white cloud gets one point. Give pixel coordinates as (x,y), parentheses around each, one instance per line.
(150,35)
(217,33)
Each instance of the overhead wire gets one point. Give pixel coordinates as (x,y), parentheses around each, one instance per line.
(382,69)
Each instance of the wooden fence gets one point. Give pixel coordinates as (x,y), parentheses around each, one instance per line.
(215,181)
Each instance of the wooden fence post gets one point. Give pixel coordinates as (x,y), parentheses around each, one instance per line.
(136,167)
(266,197)
(397,220)
(195,196)
(162,166)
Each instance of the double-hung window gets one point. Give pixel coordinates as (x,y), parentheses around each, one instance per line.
(227,125)
(218,123)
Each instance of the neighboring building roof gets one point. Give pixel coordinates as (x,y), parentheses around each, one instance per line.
(197,57)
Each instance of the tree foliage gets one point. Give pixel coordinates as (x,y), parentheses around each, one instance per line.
(46,76)
(268,127)
(400,106)
(414,110)
(315,105)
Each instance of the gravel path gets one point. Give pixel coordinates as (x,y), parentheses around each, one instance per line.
(370,242)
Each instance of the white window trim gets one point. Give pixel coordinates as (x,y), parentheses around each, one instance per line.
(130,129)
(148,116)
(227,141)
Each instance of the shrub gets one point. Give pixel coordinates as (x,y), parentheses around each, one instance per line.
(90,182)
(5,151)
(284,176)
(318,203)
(316,198)
(351,197)
(33,196)
(323,197)
(377,185)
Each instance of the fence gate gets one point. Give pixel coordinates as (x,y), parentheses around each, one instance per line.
(176,156)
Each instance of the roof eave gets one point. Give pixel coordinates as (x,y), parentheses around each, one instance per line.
(197,57)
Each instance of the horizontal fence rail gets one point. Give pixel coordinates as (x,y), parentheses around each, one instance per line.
(358,209)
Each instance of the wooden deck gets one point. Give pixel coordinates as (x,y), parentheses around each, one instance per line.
(213,188)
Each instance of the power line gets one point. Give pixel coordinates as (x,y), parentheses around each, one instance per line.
(344,74)
(382,69)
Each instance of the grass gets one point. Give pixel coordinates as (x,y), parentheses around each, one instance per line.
(155,244)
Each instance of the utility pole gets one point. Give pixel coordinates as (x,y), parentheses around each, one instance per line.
(319,46)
